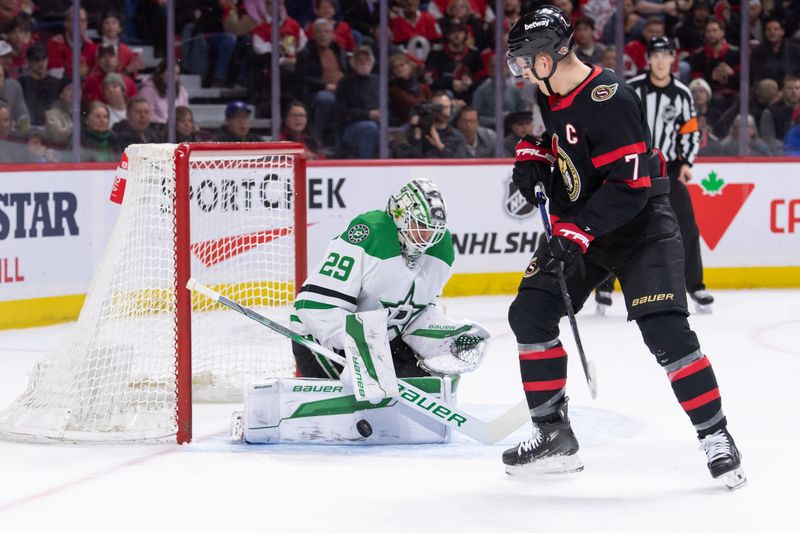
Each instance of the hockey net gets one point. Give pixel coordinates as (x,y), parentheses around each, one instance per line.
(143,345)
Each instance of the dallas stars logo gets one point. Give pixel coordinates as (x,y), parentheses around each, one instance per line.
(358,233)
(402,311)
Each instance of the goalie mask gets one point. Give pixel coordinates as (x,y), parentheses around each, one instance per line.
(420,215)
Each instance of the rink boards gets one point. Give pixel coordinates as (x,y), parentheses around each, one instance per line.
(55,221)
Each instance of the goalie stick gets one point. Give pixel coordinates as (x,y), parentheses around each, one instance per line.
(410,396)
(588,367)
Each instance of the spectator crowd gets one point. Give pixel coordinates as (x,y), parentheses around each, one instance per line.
(441,86)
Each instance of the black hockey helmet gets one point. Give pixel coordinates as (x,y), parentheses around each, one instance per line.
(546,29)
(660,44)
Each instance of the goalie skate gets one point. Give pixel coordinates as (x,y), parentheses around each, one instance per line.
(724,459)
(552,449)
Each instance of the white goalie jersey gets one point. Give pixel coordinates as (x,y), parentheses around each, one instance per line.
(377,281)
(364,270)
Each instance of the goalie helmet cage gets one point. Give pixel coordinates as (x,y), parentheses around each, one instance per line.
(143,346)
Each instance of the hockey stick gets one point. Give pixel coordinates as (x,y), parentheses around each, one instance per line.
(410,396)
(588,367)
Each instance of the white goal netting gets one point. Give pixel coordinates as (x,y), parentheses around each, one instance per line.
(114,378)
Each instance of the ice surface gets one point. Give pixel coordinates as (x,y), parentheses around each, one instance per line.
(644,470)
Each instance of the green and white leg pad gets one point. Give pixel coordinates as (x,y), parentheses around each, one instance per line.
(321,411)
(370,369)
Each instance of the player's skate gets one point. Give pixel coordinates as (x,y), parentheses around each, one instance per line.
(724,459)
(552,449)
(702,301)
(604,301)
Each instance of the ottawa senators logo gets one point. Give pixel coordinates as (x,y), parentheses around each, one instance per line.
(533,268)
(572,180)
(601,93)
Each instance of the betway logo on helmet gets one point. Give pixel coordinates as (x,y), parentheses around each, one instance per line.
(536,24)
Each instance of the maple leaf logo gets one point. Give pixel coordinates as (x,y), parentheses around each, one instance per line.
(716,203)
(712,185)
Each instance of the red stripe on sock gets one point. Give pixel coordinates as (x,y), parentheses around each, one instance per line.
(535,386)
(689,369)
(552,353)
(700,401)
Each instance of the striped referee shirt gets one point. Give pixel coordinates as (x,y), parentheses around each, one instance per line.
(671,116)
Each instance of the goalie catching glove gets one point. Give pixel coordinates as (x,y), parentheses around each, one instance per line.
(444,346)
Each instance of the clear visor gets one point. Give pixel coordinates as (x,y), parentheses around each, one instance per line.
(422,236)
(517,65)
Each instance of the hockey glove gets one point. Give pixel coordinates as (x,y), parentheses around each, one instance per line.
(534,164)
(567,246)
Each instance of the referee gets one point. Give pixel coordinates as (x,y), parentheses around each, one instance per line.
(672,119)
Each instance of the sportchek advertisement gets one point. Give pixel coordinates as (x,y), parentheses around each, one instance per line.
(54,224)
(494,229)
(748,214)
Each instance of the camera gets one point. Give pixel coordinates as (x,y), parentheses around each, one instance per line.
(426,115)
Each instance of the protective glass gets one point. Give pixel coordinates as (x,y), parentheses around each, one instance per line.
(518,64)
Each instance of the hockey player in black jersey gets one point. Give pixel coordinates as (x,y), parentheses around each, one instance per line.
(610,213)
(671,116)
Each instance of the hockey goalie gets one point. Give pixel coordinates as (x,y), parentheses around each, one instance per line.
(372,298)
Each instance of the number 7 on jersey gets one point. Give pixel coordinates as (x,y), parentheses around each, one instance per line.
(635,159)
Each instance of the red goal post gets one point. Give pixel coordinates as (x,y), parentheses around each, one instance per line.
(183,272)
(232,215)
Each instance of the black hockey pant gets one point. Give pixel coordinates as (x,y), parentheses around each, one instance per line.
(650,271)
(690,234)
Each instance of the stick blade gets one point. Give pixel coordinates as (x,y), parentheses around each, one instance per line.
(591,379)
(508,422)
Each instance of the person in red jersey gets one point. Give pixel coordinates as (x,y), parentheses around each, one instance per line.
(411,22)
(59,48)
